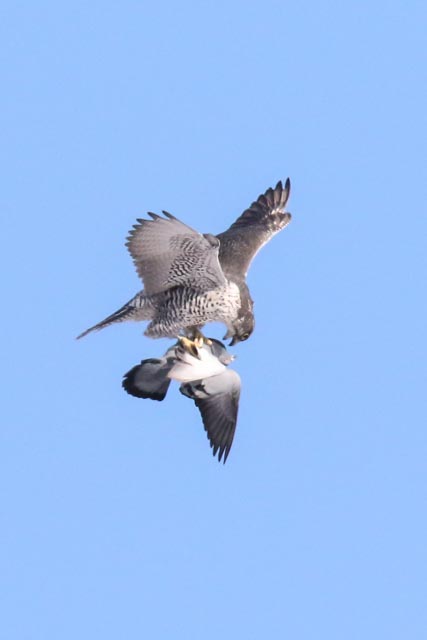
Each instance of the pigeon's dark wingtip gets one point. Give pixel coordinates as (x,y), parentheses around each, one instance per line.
(222,452)
(223,455)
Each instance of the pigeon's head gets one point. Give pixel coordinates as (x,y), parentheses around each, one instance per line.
(219,350)
(241,329)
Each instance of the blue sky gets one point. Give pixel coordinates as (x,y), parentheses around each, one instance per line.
(117,521)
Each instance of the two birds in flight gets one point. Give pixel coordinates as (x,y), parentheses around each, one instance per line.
(191,279)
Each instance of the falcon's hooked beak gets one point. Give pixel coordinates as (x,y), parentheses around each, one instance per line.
(230,334)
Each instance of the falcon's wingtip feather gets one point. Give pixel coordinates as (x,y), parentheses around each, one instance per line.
(169,215)
(285,191)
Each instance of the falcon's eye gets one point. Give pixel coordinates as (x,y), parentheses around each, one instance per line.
(245,336)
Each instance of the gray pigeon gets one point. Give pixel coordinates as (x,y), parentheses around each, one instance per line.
(191,278)
(204,378)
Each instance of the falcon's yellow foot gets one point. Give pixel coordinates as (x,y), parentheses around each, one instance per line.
(191,346)
(199,339)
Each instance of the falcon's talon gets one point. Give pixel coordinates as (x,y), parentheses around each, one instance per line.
(199,341)
(190,346)
(197,337)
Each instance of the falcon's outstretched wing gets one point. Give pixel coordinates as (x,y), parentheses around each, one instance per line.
(217,399)
(253,229)
(167,253)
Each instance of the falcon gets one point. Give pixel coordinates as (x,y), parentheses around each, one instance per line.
(191,279)
(204,377)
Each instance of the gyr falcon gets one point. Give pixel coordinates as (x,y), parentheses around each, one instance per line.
(191,278)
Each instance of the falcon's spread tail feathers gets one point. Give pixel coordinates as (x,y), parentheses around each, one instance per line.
(253,229)
(138,308)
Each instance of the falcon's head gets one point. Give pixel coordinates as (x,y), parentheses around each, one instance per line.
(241,329)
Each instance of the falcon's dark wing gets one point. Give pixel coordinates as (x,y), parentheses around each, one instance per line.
(253,229)
(217,399)
(167,253)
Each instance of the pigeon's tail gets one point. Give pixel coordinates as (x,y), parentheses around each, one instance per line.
(138,308)
(148,379)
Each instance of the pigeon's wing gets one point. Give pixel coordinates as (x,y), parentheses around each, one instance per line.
(217,399)
(167,253)
(253,229)
(148,379)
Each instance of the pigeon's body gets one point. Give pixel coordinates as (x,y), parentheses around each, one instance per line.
(191,278)
(204,378)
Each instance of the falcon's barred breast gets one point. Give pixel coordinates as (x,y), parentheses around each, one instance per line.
(192,278)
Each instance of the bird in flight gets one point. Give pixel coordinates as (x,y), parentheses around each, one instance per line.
(204,377)
(191,279)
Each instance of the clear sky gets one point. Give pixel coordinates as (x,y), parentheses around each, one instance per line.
(117,522)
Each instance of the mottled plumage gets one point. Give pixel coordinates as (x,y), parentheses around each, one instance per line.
(191,278)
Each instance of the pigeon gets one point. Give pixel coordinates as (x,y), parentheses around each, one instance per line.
(204,377)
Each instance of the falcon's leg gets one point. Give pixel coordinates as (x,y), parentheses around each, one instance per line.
(193,341)
(190,346)
(198,338)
